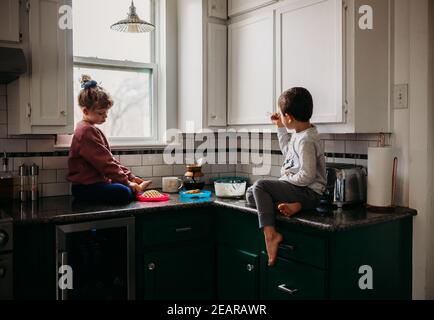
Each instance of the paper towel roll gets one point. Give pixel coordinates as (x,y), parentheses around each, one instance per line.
(380,176)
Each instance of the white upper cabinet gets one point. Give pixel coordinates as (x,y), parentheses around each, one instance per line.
(202,66)
(51,64)
(9,20)
(43,99)
(251,70)
(236,7)
(309,54)
(217,74)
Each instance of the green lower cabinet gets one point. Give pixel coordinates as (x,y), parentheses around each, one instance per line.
(237,274)
(290,280)
(180,273)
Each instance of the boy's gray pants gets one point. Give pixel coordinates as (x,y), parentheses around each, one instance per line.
(266,195)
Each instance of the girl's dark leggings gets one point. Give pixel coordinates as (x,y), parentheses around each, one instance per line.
(114,193)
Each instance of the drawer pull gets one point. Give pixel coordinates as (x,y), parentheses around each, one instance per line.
(283,288)
(287,247)
(250,267)
(179,230)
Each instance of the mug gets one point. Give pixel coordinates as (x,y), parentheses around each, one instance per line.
(171,184)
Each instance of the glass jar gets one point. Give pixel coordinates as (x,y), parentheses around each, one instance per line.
(194,178)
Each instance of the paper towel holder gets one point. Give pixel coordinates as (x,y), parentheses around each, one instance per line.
(393,205)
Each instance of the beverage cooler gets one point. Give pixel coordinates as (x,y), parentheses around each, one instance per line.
(96,260)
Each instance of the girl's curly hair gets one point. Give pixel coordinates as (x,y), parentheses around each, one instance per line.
(92,96)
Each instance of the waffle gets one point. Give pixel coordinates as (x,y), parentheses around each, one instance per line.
(193,192)
(152,194)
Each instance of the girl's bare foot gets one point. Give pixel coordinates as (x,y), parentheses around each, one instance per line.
(289,209)
(272,241)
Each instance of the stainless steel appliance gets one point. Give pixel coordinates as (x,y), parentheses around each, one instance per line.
(6,258)
(100,256)
(346,184)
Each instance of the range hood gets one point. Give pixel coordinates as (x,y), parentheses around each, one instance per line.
(12,64)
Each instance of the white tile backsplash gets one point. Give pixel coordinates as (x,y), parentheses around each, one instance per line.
(3,103)
(152,159)
(144,171)
(3,117)
(275,171)
(48,176)
(162,171)
(17,162)
(13,145)
(356,147)
(131,160)
(55,162)
(56,189)
(3,131)
(40,145)
(62,174)
(334,146)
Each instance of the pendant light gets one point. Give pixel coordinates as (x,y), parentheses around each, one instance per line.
(133,23)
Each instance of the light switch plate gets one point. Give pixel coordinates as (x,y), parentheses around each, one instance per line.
(401,96)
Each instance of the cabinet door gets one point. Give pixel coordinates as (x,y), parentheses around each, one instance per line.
(289,280)
(237,274)
(10,20)
(217,74)
(309,54)
(239,6)
(251,70)
(180,273)
(51,79)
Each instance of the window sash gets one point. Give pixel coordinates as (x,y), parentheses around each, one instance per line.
(129,66)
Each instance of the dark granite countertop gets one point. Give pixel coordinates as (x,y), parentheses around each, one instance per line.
(63,210)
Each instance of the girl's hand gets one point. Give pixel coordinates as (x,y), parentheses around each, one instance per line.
(134,187)
(145,184)
(275,118)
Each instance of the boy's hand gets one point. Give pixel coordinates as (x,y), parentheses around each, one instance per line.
(134,187)
(275,118)
(145,184)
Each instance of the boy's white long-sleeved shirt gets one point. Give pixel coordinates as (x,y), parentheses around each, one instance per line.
(305,164)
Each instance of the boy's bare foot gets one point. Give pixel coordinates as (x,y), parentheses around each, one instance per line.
(272,241)
(289,209)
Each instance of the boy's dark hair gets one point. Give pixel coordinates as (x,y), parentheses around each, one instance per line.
(298,103)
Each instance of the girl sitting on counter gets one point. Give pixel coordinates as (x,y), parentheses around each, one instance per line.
(94,172)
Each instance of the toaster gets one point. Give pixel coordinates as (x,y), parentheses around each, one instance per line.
(346,184)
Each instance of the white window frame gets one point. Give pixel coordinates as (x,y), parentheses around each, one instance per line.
(152,68)
(125,65)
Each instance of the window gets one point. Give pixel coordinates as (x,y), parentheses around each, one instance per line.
(123,63)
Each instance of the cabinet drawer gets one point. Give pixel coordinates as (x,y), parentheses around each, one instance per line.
(304,248)
(175,228)
(289,280)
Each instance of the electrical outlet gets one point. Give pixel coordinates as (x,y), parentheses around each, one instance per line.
(401,96)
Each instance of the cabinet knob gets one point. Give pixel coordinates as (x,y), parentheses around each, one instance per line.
(250,267)
(151,266)
(63,113)
(2,273)
(3,239)
(213,117)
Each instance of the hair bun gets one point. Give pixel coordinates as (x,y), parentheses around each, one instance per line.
(85,78)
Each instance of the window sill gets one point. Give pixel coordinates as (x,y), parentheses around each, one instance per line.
(121,147)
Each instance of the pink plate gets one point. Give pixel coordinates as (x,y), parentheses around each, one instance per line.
(141,198)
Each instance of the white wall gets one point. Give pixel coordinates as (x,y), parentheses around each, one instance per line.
(190,62)
(413,132)
(420,155)
(430,287)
